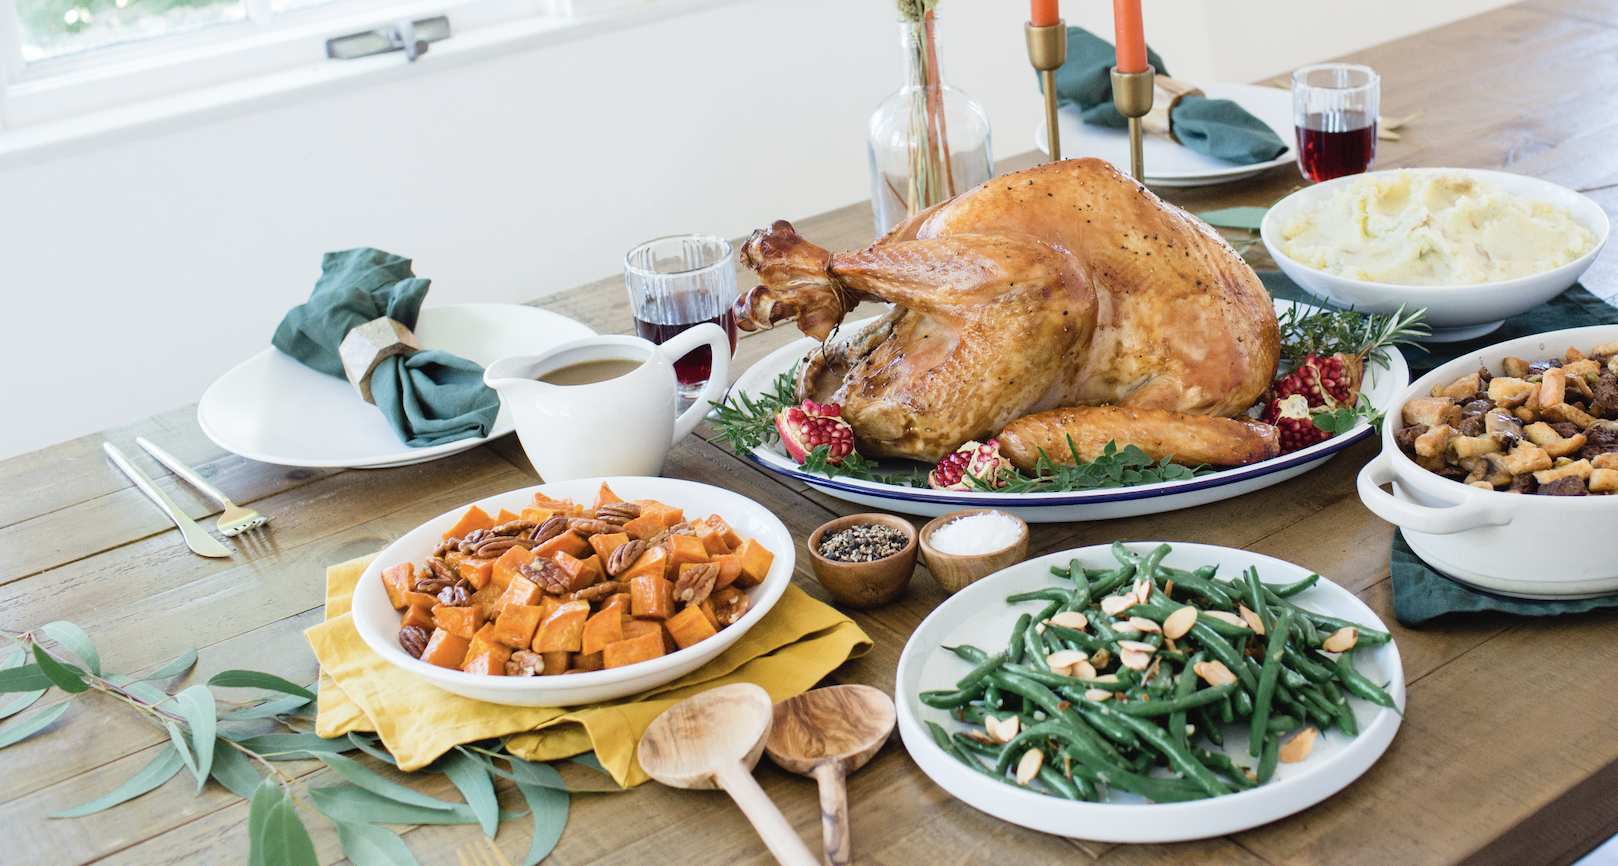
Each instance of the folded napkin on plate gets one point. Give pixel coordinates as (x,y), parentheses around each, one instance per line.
(1215,127)
(429,397)
(796,644)
(1420,593)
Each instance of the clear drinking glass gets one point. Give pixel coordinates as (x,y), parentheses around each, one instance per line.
(1334,107)
(680,281)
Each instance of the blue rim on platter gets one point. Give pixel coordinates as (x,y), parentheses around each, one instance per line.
(1382,385)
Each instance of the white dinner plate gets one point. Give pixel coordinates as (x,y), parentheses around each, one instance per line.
(1171,164)
(273,409)
(1382,385)
(378,623)
(980,616)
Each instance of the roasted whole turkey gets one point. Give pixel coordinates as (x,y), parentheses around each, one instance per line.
(1067,285)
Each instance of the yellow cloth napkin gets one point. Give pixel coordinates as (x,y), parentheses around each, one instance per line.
(796,644)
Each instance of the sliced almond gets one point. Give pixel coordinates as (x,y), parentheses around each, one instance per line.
(1039,628)
(1113,605)
(1106,678)
(1135,661)
(1136,646)
(1180,622)
(1082,670)
(1001,730)
(1141,623)
(1299,747)
(1028,767)
(1143,590)
(1215,673)
(1062,660)
(1070,619)
(1125,627)
(1098,694)
(1341,640)
(1227,616)
(1251,619)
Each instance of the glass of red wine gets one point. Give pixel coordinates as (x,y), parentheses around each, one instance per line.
(677,282)
(1334,107)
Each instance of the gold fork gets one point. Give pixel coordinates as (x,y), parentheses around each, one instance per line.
(480,858)
(235,520)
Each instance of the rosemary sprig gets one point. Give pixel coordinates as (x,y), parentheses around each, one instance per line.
(748,422)
(1115,467)
(1320,330)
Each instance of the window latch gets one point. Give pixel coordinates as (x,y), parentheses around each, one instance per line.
(411,37)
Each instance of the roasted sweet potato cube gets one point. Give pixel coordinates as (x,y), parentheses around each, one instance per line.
(570,543)
(604,628)
(555,663)
(399,580)
(488,664)
(605,543)
(563,629)
(463,622)
(617,602)
(651,563)
(538,515)
(730,568)
(634,628)
(732,540)
(445,650)
(474,518)
(755,562)
(585,662)
(689,626)
(631,650)
(712,539)
(505,568)
(485,645)
(478,572)
(684,549)
(485,600)
(561,506)
(517,624)
(707,611)
(580,572)
(644,526)
(418,598)
(651,597)
(521,591)
(504,517)
(604,496)
(419,614)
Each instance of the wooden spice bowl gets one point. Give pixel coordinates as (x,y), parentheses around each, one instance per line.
(865,584)
(956,571)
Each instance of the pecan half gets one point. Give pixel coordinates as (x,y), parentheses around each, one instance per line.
(587,526)
(524,664)
(473,539)
(548,530)
(446,546)
(442,571)
(414,640)
(494,547)
(547,575)
(696,582)
(431,585)
(598,591)
(513,527)
(453,596)
(735,609)
(624,555)
(618,513)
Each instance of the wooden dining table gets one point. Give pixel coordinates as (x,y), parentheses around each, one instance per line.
(1509,749)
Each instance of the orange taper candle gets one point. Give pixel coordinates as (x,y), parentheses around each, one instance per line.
(1130,35)
(1043,13)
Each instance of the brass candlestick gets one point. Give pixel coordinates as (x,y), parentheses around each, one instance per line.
(1047,50)
(1132,95)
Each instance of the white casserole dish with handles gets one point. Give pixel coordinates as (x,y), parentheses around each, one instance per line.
(1506,543)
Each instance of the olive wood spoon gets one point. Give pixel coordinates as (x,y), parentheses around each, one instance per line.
(829,733)
(713,740)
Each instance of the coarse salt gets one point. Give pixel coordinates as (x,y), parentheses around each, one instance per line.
(976,533)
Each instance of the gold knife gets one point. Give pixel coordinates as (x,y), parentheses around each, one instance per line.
(196,537)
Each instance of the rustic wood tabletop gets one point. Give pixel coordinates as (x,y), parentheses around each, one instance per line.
(1507,754)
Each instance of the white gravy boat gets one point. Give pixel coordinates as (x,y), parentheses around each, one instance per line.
(621,426)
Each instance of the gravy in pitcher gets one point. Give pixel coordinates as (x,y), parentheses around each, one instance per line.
(590,372)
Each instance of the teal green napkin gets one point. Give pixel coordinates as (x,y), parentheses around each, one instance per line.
(1216,127)
(430,397)
(1421,594)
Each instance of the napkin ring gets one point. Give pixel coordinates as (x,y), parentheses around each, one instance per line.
(1167,93)
(368,345)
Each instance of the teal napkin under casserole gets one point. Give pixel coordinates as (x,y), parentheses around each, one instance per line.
(430,397)
(1216,127)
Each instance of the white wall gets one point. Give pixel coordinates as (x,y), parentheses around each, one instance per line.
(135,273)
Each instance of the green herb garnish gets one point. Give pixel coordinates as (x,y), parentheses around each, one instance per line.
(1320,330)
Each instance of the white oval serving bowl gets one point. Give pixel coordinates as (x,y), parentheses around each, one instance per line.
(378,623)
(1493,540)
(1462,312)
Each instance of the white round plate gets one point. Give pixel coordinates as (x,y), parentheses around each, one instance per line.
(1171,164)
(979,616)
(1382,385)
(378,623)
(273,409)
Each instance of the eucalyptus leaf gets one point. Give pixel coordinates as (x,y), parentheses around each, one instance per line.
(14,660)
(23,702)
(144,691)
(1250,218)
(178,739)
(371,747)
(538,784)
(359,774)
(258,816)
(235,771)
(345,803)
(158,770)
(471,776)
(267,710)
(197,705)
(291,747)
(74,640)
(257,680)
(26,678)
(278,838)
(65,677)
(370,845)
(36,723)
(178,666)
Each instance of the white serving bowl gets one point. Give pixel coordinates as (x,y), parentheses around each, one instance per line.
(1493,540)
(378,623)
(1453,312)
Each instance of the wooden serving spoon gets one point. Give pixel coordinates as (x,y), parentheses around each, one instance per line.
(829,733)
(713,740)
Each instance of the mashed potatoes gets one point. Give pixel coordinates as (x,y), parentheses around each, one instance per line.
(1433,229)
